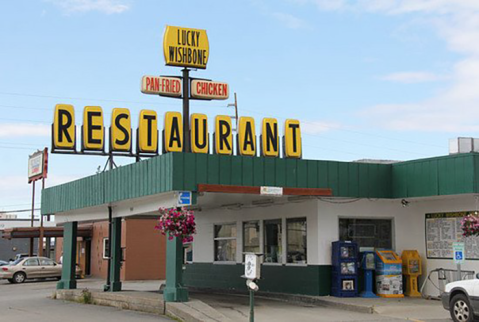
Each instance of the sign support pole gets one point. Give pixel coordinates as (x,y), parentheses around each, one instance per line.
(251,305)
(186,110)
(40,239)
(30,251)
(459,273)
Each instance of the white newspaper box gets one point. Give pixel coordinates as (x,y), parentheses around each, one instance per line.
(252,266)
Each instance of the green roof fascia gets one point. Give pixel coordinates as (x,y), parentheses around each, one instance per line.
(184,171)
(148,177)
(438,176)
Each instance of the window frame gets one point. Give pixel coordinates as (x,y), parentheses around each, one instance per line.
(215,261)
(105,240)
(287,241)
(283,249)
(391,219)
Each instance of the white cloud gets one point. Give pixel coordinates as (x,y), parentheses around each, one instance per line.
(412,77)
(454,108)
(10,130)
(316,127)
(104,6)
(290,21)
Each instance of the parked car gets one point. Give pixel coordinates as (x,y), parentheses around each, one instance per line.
(32,268)
(461,299)
(3,263)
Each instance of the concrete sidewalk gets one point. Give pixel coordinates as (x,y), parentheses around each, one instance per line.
(224,307)
(143,296)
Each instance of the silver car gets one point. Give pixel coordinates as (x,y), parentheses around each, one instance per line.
(32,268)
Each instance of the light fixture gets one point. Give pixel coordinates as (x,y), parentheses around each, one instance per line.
(404,203)
(262,202)
(300,198)
(232,205)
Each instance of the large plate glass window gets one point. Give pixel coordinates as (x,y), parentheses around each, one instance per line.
(273,241)
(251,237)
(225,242)
(375,233)
(296,240)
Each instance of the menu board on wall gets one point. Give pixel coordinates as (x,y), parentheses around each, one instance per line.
(442,230)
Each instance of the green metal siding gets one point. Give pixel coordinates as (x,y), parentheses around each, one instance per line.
(449,175)
(342,177)
(457,174)
(306,280)
(135,180)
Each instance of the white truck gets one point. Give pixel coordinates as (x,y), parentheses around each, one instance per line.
(461,299)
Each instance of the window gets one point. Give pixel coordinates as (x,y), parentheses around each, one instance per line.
(46,262)
(251,237)
(188,253)
(272,241)
(375,233)
(31,262)
(106,248)
(225,242)
(296,240)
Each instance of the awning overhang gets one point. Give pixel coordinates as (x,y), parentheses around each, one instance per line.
(34,232)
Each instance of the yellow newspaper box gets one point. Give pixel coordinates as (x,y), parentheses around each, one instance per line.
(411,268)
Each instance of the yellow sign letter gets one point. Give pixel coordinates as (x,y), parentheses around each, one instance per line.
(120,130)
(199,133)
(93,131)
(269,138)
(64,127)
(148,132)
(247,136)
(173,133)
(292,139)
(223,135)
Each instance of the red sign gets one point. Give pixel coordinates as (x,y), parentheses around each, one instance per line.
(209,90)
(38,165)
(165,86)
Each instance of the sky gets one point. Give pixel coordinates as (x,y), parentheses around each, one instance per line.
(368,79)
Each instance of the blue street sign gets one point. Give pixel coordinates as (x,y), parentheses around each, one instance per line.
(184,198)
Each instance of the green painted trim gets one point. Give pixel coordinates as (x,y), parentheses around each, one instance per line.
(68,280)
(305,280)
(115,266)
(174,290)
(448,175)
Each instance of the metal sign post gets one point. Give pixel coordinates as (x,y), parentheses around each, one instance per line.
(252,272)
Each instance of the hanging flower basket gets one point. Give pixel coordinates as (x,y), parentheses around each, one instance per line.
(177,223)
(470,225)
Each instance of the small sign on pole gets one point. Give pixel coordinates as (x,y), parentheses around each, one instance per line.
(252,266)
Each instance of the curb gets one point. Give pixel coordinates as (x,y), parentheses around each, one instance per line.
(192,311)
(322,301)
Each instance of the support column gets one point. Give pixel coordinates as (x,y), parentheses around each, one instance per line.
(174,290)
(68,281)
(115,248)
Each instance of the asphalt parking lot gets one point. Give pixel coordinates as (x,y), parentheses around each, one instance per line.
(31,301)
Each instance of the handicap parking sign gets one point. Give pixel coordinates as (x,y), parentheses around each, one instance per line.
(458,251)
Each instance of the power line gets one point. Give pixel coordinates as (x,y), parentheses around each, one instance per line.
(251,111)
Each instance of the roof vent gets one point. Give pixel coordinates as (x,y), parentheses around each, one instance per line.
(463,145)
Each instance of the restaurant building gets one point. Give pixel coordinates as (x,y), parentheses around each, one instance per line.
(412,205)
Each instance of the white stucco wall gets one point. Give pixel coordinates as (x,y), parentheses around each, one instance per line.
(323,226)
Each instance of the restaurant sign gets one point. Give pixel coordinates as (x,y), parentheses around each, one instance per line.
(185,47)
